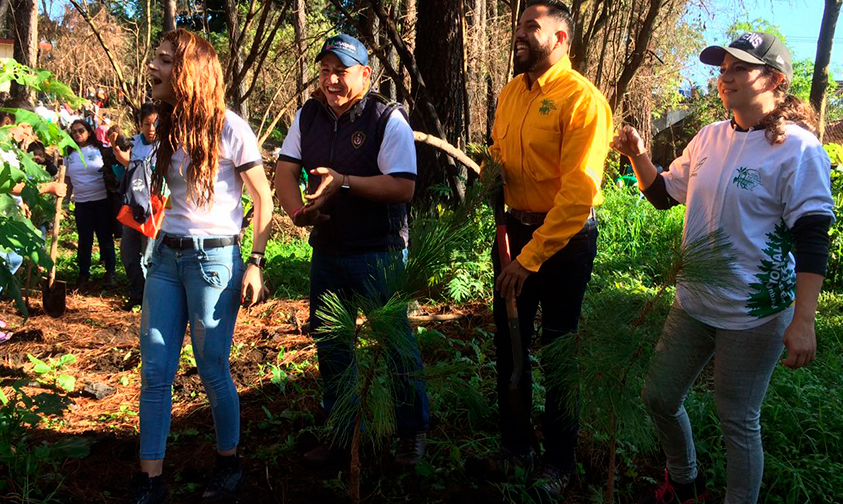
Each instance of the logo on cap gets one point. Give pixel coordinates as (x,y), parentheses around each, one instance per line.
(339,44)
(753,39)
(357,139)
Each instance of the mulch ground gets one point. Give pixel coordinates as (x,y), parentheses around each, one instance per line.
(277,427)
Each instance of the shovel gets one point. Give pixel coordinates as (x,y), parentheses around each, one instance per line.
(54,292)
(516,405)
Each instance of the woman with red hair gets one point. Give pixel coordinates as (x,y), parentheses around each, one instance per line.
(196,275)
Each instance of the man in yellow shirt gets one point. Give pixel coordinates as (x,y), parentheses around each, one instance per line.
(552,130)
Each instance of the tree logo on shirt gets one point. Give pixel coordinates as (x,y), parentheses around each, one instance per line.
(774,290)
(357,139)
(547,106)
(747,178)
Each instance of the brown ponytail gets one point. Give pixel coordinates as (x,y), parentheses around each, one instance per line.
(790,109)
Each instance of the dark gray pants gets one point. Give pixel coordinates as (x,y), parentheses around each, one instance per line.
(135,251)
(744,361)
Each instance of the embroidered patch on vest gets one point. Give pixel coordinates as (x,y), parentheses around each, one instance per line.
(357,139)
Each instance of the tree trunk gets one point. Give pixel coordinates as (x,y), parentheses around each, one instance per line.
(642,40)
(25,31)
(169,15)
(236,90)
(4,10)
(301,66)
(439,55)
(819,83)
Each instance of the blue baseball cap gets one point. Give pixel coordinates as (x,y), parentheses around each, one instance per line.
(348,49)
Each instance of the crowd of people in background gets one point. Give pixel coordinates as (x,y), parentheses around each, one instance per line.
(92,180)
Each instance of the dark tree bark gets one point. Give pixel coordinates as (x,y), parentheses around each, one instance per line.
(642,40)
(24,16)
(439,56)
(301,66)
(236,92)
(819,83)
(169,15)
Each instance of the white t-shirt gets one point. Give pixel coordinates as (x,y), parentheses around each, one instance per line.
(87,181)
(397,153)
(238,152)
(141,149)
(754,192)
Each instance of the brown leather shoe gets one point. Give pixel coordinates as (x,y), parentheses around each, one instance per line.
(410,449)
(322,456)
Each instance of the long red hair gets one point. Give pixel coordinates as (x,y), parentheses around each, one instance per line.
(195,122)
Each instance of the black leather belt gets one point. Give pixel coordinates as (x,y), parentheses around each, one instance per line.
(528,218)
(534,218)
(177,243)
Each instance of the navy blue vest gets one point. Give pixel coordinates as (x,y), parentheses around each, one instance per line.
(350,145)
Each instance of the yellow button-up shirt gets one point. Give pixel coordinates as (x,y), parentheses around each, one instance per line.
(553,139)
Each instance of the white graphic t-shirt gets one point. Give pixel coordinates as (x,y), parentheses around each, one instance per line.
(753,192)
(86,177)
(238,152)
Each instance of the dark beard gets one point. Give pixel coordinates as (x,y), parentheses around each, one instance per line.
(534,57)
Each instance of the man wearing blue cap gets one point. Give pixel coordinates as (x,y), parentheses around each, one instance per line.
(359,150)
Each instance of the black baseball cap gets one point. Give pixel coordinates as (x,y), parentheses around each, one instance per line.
(756,48)
(348,49)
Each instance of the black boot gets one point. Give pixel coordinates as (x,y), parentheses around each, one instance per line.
(226,481)
(148,490)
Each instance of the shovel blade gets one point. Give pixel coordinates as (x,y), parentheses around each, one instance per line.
(54,298)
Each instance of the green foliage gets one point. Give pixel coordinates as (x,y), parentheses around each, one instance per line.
(834,275)
(50,372)
(31,466)
(17,233)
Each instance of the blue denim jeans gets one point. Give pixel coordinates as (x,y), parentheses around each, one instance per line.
(201,287)
(135,252)
(363,274)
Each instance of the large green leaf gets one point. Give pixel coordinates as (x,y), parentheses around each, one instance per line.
(10,286)
(9,177)
(22,237)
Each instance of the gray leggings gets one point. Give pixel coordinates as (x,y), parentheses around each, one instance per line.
(744,361)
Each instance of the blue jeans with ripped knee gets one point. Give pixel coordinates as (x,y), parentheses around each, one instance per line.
(200,287)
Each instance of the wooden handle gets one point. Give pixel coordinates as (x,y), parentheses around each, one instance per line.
(54,246)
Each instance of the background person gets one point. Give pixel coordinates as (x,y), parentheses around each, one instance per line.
(93,208)
(206,155)
(763,178)
(135,247)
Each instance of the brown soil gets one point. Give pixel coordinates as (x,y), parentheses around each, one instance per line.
(104,341)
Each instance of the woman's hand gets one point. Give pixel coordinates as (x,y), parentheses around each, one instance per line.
(800,339)
(629,142)
(253,291)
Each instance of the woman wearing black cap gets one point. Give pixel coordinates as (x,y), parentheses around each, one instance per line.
(763,180)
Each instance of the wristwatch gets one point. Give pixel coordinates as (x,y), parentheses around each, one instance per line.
(345,187)
(257,259)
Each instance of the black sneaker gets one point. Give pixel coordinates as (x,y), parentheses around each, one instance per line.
(226,481)
(548,483)
(410,449)
(82,282)
(109,280)
(498,466)
(148,490)
(671,492)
